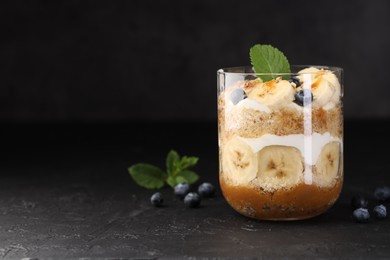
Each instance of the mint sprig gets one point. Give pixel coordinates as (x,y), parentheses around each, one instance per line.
(178,170)
(268,59)
(147,175)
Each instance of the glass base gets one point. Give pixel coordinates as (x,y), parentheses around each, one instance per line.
(302,202)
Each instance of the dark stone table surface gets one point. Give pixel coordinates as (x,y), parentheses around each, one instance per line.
(65,193)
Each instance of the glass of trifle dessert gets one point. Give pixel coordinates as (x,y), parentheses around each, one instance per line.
(280,131)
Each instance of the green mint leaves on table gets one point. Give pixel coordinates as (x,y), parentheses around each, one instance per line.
(177,171)
(267,59)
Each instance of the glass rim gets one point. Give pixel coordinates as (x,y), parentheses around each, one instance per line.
(248,70)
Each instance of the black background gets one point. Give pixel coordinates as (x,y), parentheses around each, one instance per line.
(88,61)
(88,88)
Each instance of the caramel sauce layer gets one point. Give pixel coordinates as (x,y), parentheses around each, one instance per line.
(300,202)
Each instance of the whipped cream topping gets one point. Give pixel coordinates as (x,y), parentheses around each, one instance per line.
(324,85)
(248,103)
(251,104)
(318,141)
(279,93)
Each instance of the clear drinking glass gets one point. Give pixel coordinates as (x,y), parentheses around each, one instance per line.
(281,141)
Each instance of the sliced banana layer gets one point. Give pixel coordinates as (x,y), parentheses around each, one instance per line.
(327,167)
(239,163)
(273,93)
(311,155)
(279,167)
(324,85)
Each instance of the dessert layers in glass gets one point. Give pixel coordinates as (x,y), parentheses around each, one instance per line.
(281,148)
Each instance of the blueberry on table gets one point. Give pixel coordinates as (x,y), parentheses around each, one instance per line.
(382,193)
(237,95)
(295,80)
(359,202)
(206,190)
(303,97)
(192,200)
(156,199)
(361,215)
(181,190)
(380,211)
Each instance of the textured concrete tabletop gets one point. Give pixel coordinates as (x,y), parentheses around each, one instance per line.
(65,193)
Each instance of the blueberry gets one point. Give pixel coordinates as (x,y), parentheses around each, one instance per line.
(361,215)
(303,97)
(382,193)
(156,199)
(181,190)
(206,190)
(192,200)
(359,202)
(296,81)
(237,95)
(380,211)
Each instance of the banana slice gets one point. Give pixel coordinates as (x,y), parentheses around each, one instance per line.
(273,93)
(250,85)
(327,166)
(324,85)
(239,163)
(335,99)
(280,167)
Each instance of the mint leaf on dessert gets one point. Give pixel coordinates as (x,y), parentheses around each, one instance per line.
(270,60)
(147,176)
